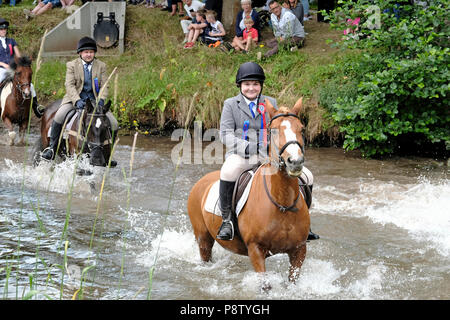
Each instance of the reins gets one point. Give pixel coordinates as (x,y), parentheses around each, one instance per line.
(281,164)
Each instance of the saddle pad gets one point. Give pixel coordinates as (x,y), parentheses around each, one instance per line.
(66,128)
(7,89)
(212,205)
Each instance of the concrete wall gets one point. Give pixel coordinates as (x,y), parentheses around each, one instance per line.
(63,39)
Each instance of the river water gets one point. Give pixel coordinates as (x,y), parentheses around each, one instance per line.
(384,227)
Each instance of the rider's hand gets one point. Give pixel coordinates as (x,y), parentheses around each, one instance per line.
(101,103)
(79,104)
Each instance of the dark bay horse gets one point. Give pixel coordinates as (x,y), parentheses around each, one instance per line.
(88,133)
(15,98)
(265,227)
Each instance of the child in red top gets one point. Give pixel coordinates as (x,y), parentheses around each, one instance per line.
(249,36)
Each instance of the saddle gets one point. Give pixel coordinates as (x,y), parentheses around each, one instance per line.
(247,176)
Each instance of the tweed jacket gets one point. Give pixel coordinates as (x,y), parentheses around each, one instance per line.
(75,79)
(234,113)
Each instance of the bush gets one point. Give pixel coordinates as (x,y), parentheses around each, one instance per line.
(401,75)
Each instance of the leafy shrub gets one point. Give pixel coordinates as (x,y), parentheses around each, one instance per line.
(401,74)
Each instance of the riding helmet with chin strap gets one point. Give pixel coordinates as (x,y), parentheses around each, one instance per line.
(250,71)
(4,24)
(86,43)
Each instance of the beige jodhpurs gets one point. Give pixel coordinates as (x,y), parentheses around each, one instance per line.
(64,109)
(234,165)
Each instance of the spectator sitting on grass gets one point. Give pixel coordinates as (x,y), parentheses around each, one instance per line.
(214,31)
(41,7)
(287,29)
(196,28)
(190,6)
(249,37)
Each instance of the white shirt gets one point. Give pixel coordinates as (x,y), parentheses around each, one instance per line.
(3,41)
(255,112)
(195,5)
(89,65)
(287,26)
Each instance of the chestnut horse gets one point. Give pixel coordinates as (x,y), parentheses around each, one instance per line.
(15,99)
(89,133)
(275,218)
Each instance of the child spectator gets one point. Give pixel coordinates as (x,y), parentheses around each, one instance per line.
(214,31)
(249,36)
(196,28)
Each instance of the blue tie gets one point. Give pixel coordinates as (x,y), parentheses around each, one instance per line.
(251,105)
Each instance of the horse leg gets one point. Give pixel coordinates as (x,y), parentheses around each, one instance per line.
(258,258)
(296,258)
(205,243)
(11,132)
(22,129)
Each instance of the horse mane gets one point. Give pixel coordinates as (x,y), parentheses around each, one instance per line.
(23,61)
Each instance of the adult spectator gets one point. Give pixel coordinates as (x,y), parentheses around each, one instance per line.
(190,6)
(296,8)
(287,29)
(41,8)
(240,26)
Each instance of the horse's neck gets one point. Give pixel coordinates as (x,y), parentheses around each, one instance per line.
(283,188)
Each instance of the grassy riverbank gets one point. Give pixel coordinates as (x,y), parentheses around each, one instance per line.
(155,74)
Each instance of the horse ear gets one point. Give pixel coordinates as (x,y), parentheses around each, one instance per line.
(107,106)
(298,106)
(270,108)
(89,108)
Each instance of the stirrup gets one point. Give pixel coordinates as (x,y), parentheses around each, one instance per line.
(232,231)
(51,158)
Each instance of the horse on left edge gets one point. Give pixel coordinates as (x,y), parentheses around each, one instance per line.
(15,97)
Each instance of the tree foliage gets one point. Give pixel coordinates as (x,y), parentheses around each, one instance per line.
(401,74)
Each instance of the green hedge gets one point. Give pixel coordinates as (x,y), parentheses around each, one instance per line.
(399,76)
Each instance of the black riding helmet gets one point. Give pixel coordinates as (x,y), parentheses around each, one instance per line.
(86,43)
(4,24)
(250,71)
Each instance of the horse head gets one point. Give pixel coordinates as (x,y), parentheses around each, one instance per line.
(286,138)
(98,134)
(22,75)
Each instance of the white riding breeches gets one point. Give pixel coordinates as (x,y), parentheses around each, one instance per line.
(234,165)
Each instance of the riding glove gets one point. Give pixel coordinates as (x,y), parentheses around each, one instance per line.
(80,104)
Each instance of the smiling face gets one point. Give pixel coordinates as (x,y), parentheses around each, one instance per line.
(87,55)
(251,89)
(3,32)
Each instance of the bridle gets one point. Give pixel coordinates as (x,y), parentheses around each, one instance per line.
(94,145)
(281,164)
(19,86)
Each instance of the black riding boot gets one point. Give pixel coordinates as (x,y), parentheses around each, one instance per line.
(37,109)
(50,152)
(308,199)
(226,231)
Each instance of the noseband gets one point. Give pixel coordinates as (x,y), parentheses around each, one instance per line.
(19,86)
(281,164)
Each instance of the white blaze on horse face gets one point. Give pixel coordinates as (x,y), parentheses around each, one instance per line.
(98,123)
(291,136)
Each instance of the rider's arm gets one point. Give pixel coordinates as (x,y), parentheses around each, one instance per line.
(103,79)
(71,89)
(228,131)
